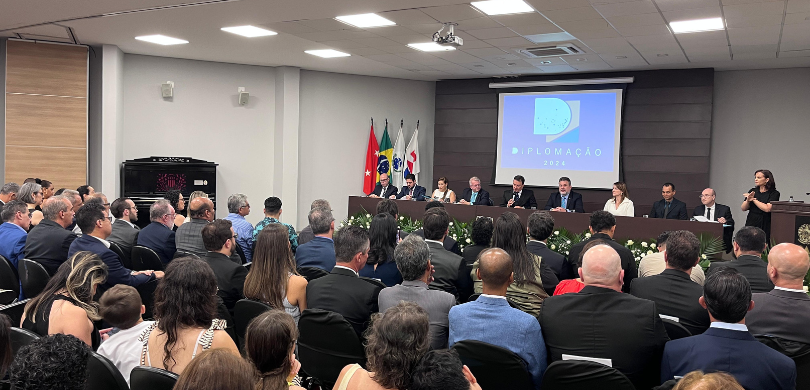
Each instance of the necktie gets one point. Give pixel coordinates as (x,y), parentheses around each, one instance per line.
(411,194)
(384,190)
(666,209)
(565,202)
(709,213)
(472,198)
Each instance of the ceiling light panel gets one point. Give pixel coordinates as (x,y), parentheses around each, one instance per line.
(365,20)
(161,40)
(328,53)
(430,46)
(502,7)
(249,31)
(697,25)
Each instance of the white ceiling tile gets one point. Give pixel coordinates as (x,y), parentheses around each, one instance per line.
(472,43)
(398,49)
(548,5)
(536,29)
(556,68)
(709,57)
(376,42)
(328,25)
(754,48)
(492,33)
(293,28)
(506,63)
(424,59)
(391,31)
(573,60)
(523,70)
(409,65)
(609,1)
(572,14)
(406,39)
(754,20)
(509,42)
(346,44)
(636,31)
(735,2)
(593,34)
(545,61)
(794,53)
(751,56)
(693,13)
(637,20)
(528,19)
(592,66)
(452,13)
(793,46)
(654,42)
(796,6)
(384,57)
(450,67)
(770,8)
(576,26)
(704,51)
(481,66)
(486,52)
(637,7)
(702,37)
(336,35)
(407,17)
(609,45)
(366,51)
(624,60)
(802,17)
(434,73)
(754,35)
(428,28)
(795,37)
(674,5)
(477,24)
(657,57)
(457,57)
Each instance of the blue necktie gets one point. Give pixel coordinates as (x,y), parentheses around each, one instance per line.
(472,198)
(564,201)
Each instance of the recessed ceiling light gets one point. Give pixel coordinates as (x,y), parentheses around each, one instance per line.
(502,7)
(161,40)
(430,46)
(249,31)
(365,20)
(697,25)
(328,53)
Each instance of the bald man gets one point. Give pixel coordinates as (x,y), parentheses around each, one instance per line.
(601,322)
(783,312)
(188,237)
(486,318)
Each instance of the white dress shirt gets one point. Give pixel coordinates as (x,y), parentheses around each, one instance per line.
(124,349)
(625,209)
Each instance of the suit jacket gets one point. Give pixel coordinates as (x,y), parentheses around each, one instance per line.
(230,278)
(603,323)
(12,242)
(628,261)
(124,234)
(481,200)
(319,252)
(471,252)
(574,202)
(345,293)
(486,318)
(391,190)
(451,272)
(449,243)
(752,267)
(188,238)
(677,210)
(436,303)
(753,364)
(526,199)
(305,235)
(418,192)
(157,237)
(675,295)
(780,313)
(116,272)
(48,245)
(720,211)
(557,262)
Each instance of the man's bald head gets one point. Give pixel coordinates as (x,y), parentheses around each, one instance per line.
(198,206)
(602,266)
(790,261)
(495,267)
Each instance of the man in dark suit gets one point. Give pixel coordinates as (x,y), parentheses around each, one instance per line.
(518,197)
(320,251)
(124,230)
(220,241)
(749,243)
(784,312)
(451,271)
(727,345)
(411,190)
(540,227)
(475,195)
(343,291)
(669,207)
(601,322)
(674,293)
(449,243)
(8,193)
(565,199)
(96,227)
(603,227)
(384,189)
(158,235)
(48,244)
(716,212)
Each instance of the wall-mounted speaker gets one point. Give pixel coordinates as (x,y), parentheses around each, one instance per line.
(243,98)
(167,89)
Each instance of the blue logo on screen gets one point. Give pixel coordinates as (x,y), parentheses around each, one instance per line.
(557,119)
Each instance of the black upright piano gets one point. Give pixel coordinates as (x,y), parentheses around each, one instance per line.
(146,180)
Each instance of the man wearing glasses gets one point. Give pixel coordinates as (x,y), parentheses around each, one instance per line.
(124,231)
(14,230)
(238,209)
(716,212)
(158,235)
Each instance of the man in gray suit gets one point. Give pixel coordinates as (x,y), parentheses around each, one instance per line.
(451,271)
(783,312)
(124,231)
(413,261)
(189,235)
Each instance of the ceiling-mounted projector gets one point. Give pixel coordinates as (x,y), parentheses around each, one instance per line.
(450,39)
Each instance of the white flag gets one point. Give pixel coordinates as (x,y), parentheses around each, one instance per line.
(412,155)
(398,166)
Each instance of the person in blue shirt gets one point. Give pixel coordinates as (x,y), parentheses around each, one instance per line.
(272,213)
(319,251)
(14,230)
(238,209)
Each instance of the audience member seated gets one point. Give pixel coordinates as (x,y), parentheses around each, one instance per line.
(97,228)
(603,227)
(696,380)
(185,310)
(272,213)
(102,199)
(533,280)
(412,257)
(219,239)
(540,228)
(749,243)
(727,345)
(57,362)
(565,200)
(475,195)
(191,197)
(443,370)
(619,204)
(306,235)
(124,232)
(783,312)
(442,193)
(158,235)
(238,209)
(76,200)
(272,278)
(270,347)
(389,207)
(674,294)
(122,308)
(397,340)
(490,319)
(449,243)
(8,192)
(380,264)
(451,270)
(343,291)
(175,199)
(411,190)
(86,192)
(31,194)
(217,369)
(320,250)
(14,231)
(601,322)
(481,235)
(49,243)
(669,207)
(519,197)
(654,263)
(66,304)
(576,285)
(188,237)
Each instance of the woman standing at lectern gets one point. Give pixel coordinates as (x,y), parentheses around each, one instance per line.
(620,204)
(758,202)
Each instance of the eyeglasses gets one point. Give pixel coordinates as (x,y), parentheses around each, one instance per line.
(105,204)
(235,235)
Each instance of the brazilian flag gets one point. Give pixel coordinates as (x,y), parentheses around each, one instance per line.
(386,155)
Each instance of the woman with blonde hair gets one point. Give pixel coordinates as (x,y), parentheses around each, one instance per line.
(270,346)
(697,380)
(619,204)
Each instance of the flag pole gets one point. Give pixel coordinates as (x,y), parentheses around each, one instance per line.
(417,125)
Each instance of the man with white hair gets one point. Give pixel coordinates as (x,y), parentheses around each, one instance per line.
(601,323)
(475,195)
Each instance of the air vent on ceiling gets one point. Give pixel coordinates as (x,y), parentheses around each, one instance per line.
(550,51)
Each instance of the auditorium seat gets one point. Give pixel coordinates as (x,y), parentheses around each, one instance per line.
(151,378)
(799,352)
(15,311)
(241,254)
(494,367)
(312,273)
(244,311)
(675,330)
(584,375)
(144,258)
(182,253)
(33,276)
(326,344)
(9,282)
(126,259)
(20,338)
(103,375)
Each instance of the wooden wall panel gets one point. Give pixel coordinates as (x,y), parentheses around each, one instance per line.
(46,69)
(46,121)
(65,167)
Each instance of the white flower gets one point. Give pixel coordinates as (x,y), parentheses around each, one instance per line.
(341,224)
(553,247)
(556,232)
(451,224)
(368,225)
(368,215)
(567,241)
(566,252)
(703,257)
(644,244)
(587,235)
(351,219)
(401,217)
(468,241)
(649,252)
(630,242)
(638,258)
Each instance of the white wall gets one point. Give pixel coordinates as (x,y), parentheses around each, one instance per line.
(336,110)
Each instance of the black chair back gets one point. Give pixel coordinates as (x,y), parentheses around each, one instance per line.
(147,293)
(144,258)
(151,378)
(33,276)
(181,253)
(247,265)
(103,375)
(312,273)
(584,375)
(20,338)
(494,367)
(9,282)
(326,344)
(15,311)
(126,258)
(241,253)
(675,330)
(799,352)
(245,311)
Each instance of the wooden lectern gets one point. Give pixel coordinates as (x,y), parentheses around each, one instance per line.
(790,222)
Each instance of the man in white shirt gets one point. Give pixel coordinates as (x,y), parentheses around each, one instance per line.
(121,306)
(654,264)
(713,211)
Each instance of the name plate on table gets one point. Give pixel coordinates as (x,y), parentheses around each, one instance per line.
(606,362)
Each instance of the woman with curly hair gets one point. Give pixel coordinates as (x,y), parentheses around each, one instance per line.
(396,341)
(56,362)
(185,311)
(270,346)
(382,242)
(175,199)
(66,304)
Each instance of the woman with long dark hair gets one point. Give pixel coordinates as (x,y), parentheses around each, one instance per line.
(758,202)
(270,346)
(185,311)
(175,199)
(443,194)
(217,369)
(382,242)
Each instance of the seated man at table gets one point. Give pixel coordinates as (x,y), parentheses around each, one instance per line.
(518,197)
(475,195)
(669,207)
(411,191)
(384,189)
(716,212)
(565,200)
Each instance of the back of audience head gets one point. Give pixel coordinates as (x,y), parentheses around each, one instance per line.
(586,248)
(697,380)
(351,245)
(482,231)
(162,212)
(30,193)
(60,191)
(495,270)
(191,197)
(217,235)
(661,241)
(389,207)
(397,340)
(58,209)
(683,250)
(788,265)
(201,208)
(321,204)
(85,191)
(217,369)
(6,353)
(749,240)
(93,216)
(272,206)
(270,345)
(602,267)
(442,370)
(435,223)
(273,261)
(541,225)
(321,221)
(121,306)
(602,222)
(236,203)
(119,206)
(382,239)
(727,295)
(56,362)
(16,210)
(509,234)
(433,204)
(412,256)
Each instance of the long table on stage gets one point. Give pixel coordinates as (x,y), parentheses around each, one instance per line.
(626,227)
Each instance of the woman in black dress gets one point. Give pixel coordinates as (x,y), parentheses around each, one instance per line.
(758,202)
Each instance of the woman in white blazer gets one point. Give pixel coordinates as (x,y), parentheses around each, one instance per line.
(620,204)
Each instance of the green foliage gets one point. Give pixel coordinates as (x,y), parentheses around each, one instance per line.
(562,240)
(461,232)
